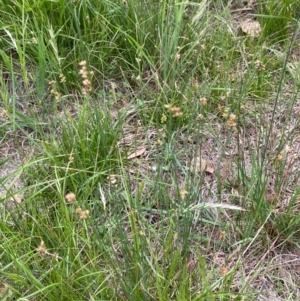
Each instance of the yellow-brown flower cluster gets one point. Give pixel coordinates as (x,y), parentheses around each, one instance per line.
(260,66)
(175,111)
(223,271)
(203,101)
(222,235)
(225,114)
(86,75)
(182,194)
(43,252)
(53,90)
(83,214)
(232,120)
(62,78)
(41,249)
(112,179)
(70,197)
(283,154)
(163,118)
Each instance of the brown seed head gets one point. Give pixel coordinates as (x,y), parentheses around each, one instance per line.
(82,63)
(70,197)
(84,214)
(41,249)
(222,235)
(112,179)
(223,271)
(203,101)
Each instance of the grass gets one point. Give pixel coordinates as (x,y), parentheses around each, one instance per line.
(150,151)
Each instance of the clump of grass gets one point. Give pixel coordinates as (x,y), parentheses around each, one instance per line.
(277,18)
(98,223)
